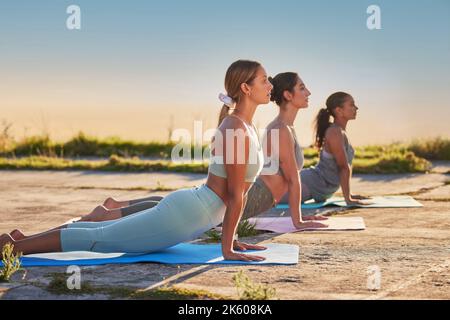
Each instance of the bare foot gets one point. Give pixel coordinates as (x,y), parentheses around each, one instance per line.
(16,234)
(4,239)
(98,214)
(110,203)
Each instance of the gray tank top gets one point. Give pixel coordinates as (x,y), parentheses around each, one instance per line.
(298,151)
(327,166)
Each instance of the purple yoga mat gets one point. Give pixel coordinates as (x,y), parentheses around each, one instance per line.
(285,225)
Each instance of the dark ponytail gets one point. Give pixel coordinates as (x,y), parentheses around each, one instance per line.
(322,121)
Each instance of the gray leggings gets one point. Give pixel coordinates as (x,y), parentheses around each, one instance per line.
(259,200)
(306,194)
(140,204)
(181,216)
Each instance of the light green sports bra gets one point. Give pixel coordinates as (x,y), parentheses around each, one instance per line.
(255,159)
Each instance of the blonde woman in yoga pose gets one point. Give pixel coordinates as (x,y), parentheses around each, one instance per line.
(185,214)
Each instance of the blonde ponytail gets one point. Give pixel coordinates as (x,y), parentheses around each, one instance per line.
(224,112)
(239,72)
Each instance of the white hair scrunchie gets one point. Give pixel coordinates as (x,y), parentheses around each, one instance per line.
(228,101)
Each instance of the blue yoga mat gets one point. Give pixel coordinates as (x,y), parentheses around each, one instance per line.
(375,202)
(184,253)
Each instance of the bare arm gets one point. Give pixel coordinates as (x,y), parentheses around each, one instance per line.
(335,143)
(290,172)
(235,194)
(289,168)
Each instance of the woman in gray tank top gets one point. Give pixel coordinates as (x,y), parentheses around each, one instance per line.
(284,155)
(334,168)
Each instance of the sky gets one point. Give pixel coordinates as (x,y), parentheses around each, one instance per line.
(135,69)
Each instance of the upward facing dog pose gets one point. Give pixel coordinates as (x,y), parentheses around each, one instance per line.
(334,169)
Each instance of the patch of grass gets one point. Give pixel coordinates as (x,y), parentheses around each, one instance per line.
(6,140)
(58,285)
(174,293)
(40,153)
(160,187)
(436,199)
(388,163)
(340,211)
(248,290)
(310,162)
(82,145)
(109,188)
(246,229)
(114,164)
(393,162)
(310,153)
(432,149)
(36,145)
(213,236)
(11,262)
(386,159)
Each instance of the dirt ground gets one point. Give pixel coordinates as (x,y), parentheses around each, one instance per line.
(410,246)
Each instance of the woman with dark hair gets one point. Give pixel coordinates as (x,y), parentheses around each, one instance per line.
(284,155)
(334,169)
(283,161)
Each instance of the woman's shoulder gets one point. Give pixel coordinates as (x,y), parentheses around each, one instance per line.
(283,129)
(232,122)
(276,124)
(335,135)
(334,131)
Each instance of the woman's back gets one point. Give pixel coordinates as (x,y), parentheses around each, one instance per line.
(327,166)
(217,177)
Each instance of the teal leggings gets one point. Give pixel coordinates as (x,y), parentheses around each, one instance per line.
(181,216)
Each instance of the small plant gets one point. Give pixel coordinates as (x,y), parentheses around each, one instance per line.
(11,262)
(161,187)
(6,140)
(213,236)
(432,149)
(246,229)
(247,290)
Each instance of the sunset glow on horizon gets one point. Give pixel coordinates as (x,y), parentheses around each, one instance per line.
(136,69)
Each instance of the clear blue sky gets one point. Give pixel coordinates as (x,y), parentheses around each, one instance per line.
(135,65)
